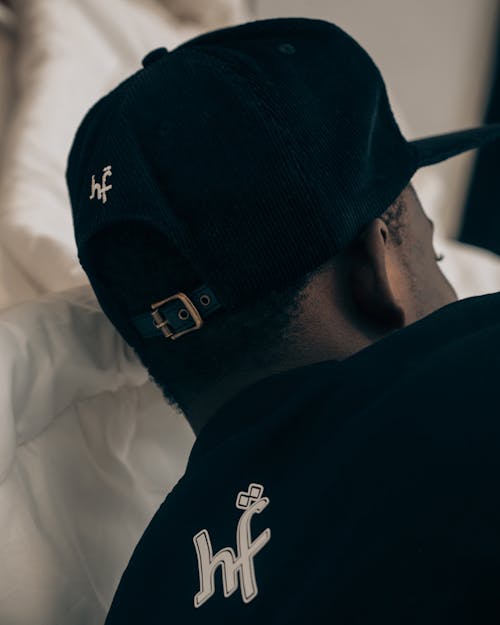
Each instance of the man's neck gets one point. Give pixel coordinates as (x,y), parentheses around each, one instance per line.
(202,407)
(316,347)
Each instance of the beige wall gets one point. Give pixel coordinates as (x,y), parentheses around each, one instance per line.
(435,57)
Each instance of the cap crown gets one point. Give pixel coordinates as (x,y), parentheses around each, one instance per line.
(260,151)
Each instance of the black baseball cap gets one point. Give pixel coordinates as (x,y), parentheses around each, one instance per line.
(259,151)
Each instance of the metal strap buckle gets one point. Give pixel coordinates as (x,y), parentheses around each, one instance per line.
(162,324)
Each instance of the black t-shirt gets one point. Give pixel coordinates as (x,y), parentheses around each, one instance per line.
(363,491)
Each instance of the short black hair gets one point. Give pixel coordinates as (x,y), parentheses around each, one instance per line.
(137,266)
(393,218)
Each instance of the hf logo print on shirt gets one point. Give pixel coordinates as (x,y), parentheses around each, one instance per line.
(101,188)
(252,503)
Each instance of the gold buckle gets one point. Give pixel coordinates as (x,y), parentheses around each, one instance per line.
(162,324)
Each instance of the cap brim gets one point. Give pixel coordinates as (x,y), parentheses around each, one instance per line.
(438,148)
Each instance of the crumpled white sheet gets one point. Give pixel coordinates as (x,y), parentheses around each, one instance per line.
(88,451)
(88,446)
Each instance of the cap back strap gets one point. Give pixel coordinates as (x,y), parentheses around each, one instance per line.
(177,314)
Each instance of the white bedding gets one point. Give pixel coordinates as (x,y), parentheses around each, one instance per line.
(88,451)
(88,447)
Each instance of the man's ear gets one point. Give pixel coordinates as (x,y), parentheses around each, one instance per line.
(373,278)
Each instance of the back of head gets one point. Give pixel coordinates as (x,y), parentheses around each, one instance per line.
(133,264)
(242,161)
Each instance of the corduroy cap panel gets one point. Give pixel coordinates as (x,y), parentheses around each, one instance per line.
(258,164)
(259,150)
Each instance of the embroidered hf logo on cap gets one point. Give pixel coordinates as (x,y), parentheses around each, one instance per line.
(231,563)
(101,188)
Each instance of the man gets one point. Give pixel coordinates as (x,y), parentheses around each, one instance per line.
(244,210)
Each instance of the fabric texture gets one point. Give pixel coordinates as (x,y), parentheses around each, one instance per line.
(88,451)
(88,446)
(359,491)
(296,117)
